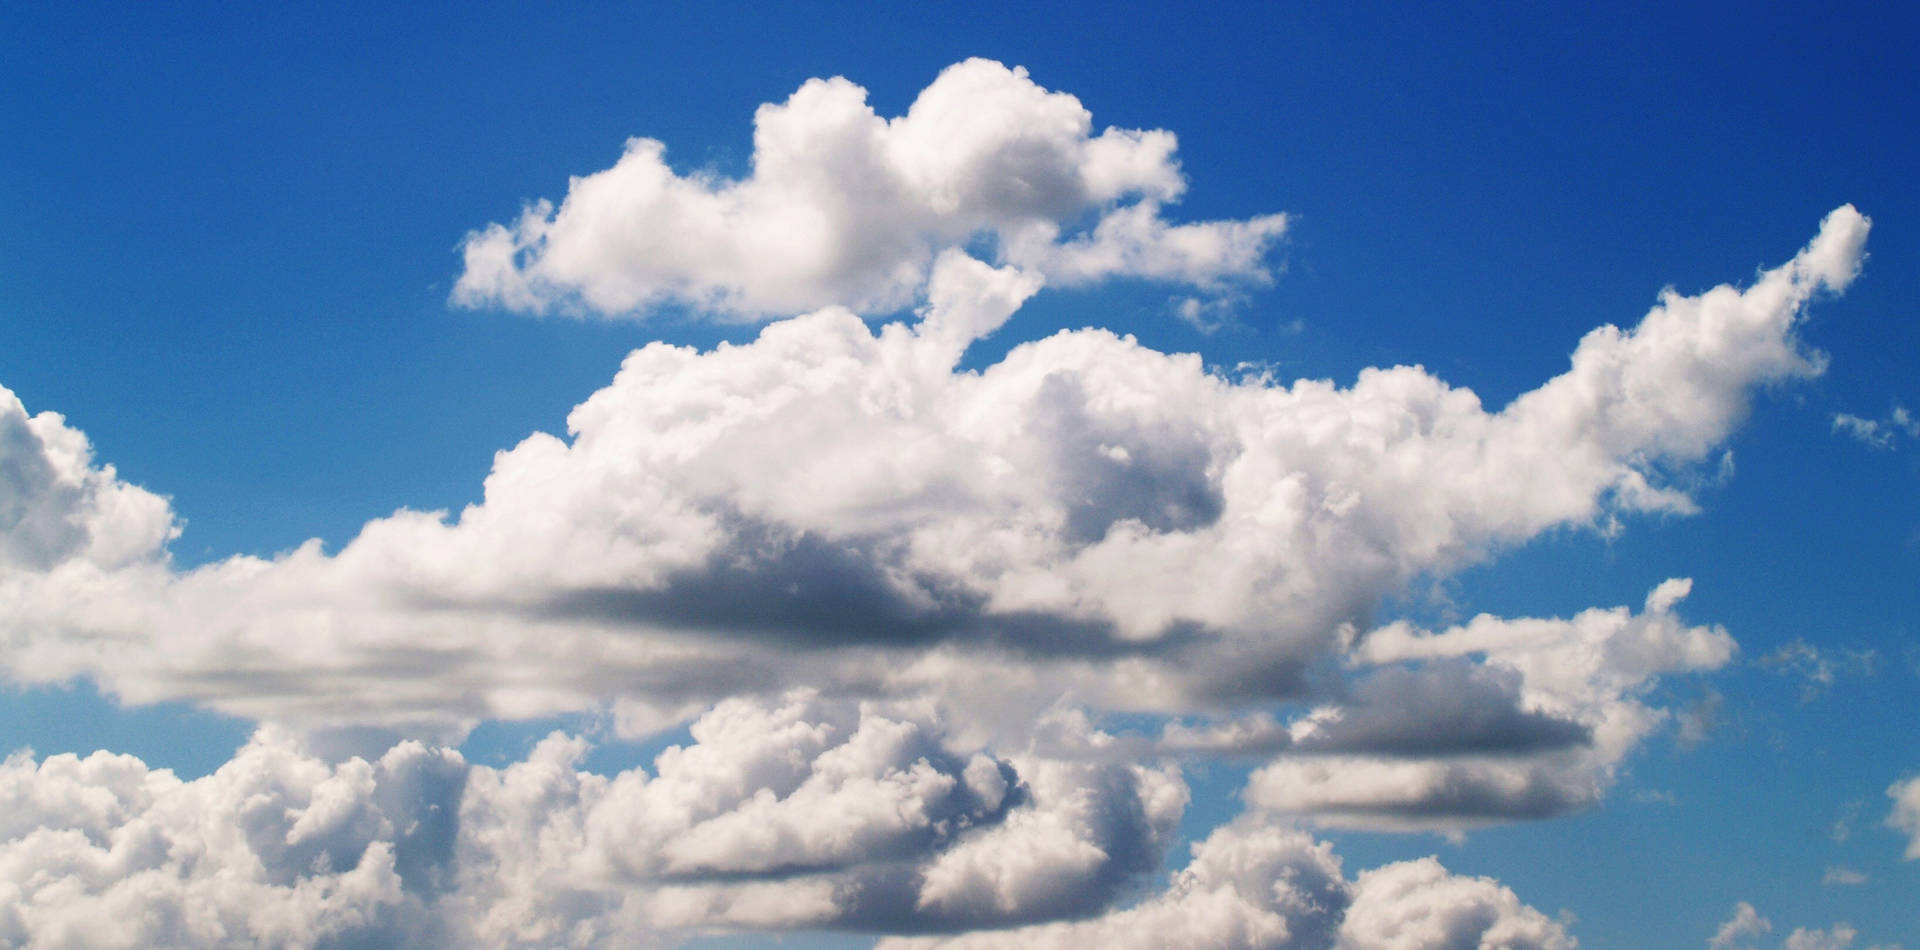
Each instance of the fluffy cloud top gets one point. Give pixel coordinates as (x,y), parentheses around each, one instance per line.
(57,507)
(846,207)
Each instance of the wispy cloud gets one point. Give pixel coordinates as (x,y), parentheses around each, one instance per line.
(1878,433)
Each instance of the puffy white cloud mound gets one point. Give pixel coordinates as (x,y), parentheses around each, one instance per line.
(1418,905)
(1253,886)
(57,507)
(846,207)
(274,849)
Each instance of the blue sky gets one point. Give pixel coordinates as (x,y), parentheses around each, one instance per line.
(234,260)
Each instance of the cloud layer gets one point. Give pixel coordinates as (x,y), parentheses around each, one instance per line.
(802,812)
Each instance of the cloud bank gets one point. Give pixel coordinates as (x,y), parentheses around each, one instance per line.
(802,812)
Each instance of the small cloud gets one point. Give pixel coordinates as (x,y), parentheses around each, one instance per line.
(1745,922)
(1905,421)
(1838,876)
(1725,472)
(1905,816)
(1207,315)
(1698,720)
(1839,937)
(1878,433)
(1843,826)
(1818,669)
(1865,430)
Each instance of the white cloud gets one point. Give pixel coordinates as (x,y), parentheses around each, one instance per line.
(1745,922)
(846,207)
(840,506)
(1905,816)
(1587,673)
(1876,433)
(803,812)
(1747,925)
(1865,430)
(273,849)
(1413,905)
(1246,887)
(1842,877)
(1839,937)
(56,507)
(1818,669)
(1259,886)
(800,812)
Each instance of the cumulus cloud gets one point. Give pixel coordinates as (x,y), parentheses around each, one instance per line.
(1747,925)
(808,813)
(1544,743)
(1745,922)
(1259,886)
(840,505)
(846,207)
(1417,904)
(1838,937)
(802,811)
(57,507)
(274,849)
